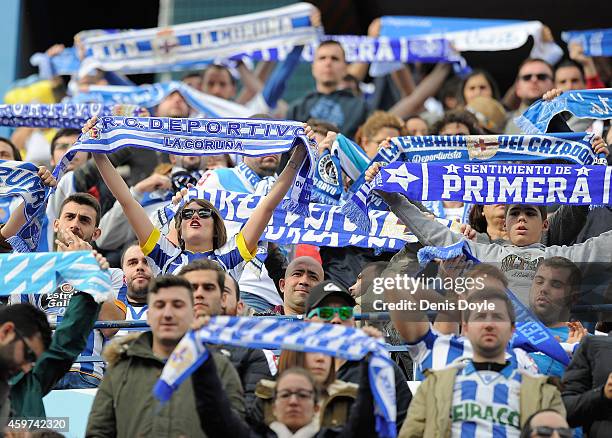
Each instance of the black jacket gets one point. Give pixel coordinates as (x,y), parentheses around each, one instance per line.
(583,384)
(252,366)
(218,420)
(350,372)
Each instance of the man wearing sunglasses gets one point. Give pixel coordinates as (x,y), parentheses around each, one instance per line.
(329,302)
(546,423)
(535,77)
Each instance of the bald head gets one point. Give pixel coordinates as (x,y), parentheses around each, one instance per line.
(301,275)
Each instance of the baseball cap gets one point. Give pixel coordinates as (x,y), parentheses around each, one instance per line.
(326,289)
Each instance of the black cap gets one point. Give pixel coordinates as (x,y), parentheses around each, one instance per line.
(326,289)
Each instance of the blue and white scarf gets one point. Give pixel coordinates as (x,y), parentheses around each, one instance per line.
(186,137)
(589,104)
(21,179)
(367,50)
(574,147)
(62,115)
(357,49)
(325,225)
(259,186)
(494,183)
(471,34)
(192,45)
(251,137)
(42,272)
(274,334)
(530,335)
(595,42)
(328,185)
(149,96)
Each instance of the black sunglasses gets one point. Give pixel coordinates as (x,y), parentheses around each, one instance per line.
(539,77)
(203,213)
(545,431)
(28,354)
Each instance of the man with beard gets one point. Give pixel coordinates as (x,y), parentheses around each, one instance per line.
(555,288)
(137,274)
(24,335)
(211,297)
(76,229)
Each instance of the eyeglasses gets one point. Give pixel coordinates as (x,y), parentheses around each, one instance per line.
(545,431)
(28,354)
(203,213)
(539,77)
(327,313)
(301,394)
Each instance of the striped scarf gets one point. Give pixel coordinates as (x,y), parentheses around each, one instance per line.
(43,272)
(63,115)
(274,334)
(149,96)
(186,137)
(494,183)
(191,46)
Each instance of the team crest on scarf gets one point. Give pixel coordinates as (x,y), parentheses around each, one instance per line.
(327,170)
(482,147)
(164,43)
(93,133)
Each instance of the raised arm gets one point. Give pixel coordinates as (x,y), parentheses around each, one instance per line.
(426,88)
(258,221)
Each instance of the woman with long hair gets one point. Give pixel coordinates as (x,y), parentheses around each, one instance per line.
(200,228)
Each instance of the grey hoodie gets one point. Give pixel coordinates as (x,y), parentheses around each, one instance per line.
(518,263)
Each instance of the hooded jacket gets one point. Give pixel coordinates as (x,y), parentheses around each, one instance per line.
(125,407)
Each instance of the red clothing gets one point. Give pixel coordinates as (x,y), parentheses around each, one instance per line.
(594,82)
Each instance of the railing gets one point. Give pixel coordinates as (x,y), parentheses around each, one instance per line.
(371,316)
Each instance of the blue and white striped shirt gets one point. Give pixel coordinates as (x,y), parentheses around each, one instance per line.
(486,403)
(435,351)
(165,258)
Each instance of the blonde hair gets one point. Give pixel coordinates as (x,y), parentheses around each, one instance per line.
(377,121)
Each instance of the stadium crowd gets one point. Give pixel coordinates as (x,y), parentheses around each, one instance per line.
(475,381)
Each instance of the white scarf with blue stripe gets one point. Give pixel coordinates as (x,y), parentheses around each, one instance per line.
(274,334)
(325,225)
(185,137)
(193,45)
(43,272)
